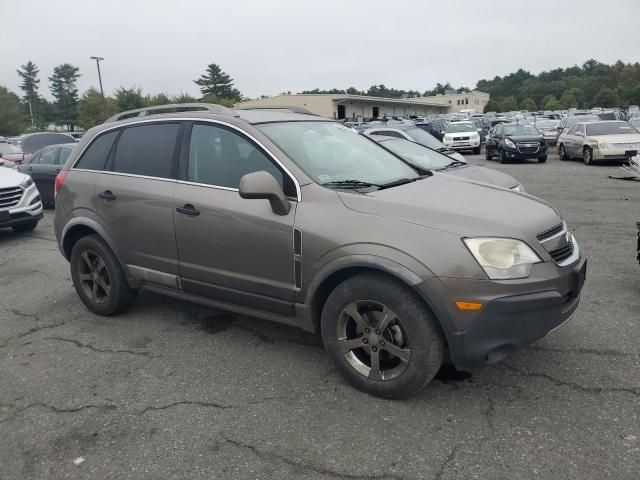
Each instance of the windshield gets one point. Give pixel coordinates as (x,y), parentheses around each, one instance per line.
(424,138)
(461,127)
(547,123)
(416,154)
(7,148)
(609,128)
(582,119)
(520,130)
(329,152)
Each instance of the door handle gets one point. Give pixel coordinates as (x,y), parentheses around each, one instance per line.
(188,209)
(107,195)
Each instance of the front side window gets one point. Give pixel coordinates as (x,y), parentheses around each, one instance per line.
(221,157)
(64,154)
(329,152)
(95,157)
(146,150)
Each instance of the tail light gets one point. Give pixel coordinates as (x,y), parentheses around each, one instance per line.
(60,180)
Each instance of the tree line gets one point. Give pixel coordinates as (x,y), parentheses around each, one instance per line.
(33,112)
(593,84)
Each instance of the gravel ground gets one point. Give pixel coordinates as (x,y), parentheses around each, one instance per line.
(171,390)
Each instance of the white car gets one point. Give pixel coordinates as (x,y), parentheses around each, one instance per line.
(20,204)
(462,136)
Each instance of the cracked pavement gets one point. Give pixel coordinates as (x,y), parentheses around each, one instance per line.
(171,390)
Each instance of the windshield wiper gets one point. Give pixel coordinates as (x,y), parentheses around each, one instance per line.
(349,184)
(401,181)
(454,164)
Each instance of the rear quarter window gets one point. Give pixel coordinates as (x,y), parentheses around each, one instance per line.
(95,156)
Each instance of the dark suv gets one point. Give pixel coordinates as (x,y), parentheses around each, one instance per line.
(516,141)
(294,218)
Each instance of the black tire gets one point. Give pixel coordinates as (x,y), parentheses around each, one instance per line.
(487,155)
(587,156)
(25,227)
(502,157)
(563,153)
(476,151)
(413,329)
(542,159)
(87,254)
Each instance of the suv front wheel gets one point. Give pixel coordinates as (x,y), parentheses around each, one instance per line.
(381,336)
(98,277)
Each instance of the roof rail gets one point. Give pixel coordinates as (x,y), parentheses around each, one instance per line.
(291,108)
(172,108)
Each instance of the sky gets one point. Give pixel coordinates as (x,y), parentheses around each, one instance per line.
(272,46)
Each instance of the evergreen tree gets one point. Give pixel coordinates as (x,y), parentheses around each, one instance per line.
(214,82)
(65,91)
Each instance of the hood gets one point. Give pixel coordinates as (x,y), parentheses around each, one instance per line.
(11,178)
(484,175)
(624,138)
(525,138)
(463,208)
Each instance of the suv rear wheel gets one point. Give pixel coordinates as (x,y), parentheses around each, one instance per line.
(98,277)
(381,336)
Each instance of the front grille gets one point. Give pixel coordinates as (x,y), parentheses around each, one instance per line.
(10,197)
(461,138)
(527,147)
(551,232)
(562,253)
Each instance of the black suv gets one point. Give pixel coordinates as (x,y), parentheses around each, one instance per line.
(437,128)
(516,141)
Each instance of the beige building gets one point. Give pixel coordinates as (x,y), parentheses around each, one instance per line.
(353,107)
(359,107)
(474,100)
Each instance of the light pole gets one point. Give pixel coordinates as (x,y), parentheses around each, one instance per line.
(98,60)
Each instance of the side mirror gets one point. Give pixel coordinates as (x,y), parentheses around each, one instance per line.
(262,185)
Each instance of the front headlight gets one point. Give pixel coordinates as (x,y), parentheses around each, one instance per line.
(509,143)
(27,183)
(601,145)
(502,258)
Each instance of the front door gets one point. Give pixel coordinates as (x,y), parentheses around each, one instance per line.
(231,249)
(134,200)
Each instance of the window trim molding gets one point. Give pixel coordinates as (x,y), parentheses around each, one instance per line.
(182,120)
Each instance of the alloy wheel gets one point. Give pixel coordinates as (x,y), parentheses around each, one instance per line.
(94,276)
(373,340)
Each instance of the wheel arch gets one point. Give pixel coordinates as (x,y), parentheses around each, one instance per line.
(343,268)
(80,227)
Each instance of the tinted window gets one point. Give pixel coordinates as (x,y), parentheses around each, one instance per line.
(49,156)
(146,150)
(220,157)
(95,157)
(64,154)
(35,159)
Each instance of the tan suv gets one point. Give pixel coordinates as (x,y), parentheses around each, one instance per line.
(287,216)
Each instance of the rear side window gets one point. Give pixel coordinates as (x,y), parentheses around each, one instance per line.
(49,156)
(147,150)
(95,157)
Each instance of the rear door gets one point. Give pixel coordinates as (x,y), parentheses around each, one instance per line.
(134,200)
(43,172)
(232,249)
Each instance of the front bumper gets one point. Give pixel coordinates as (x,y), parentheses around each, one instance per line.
(516,154)
(515,313)
(463,145)
(28,209)
(613,154)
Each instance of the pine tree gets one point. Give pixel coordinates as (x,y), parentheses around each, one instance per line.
(214,82)
(65,91)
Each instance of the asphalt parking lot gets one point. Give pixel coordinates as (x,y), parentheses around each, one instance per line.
(171,390)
